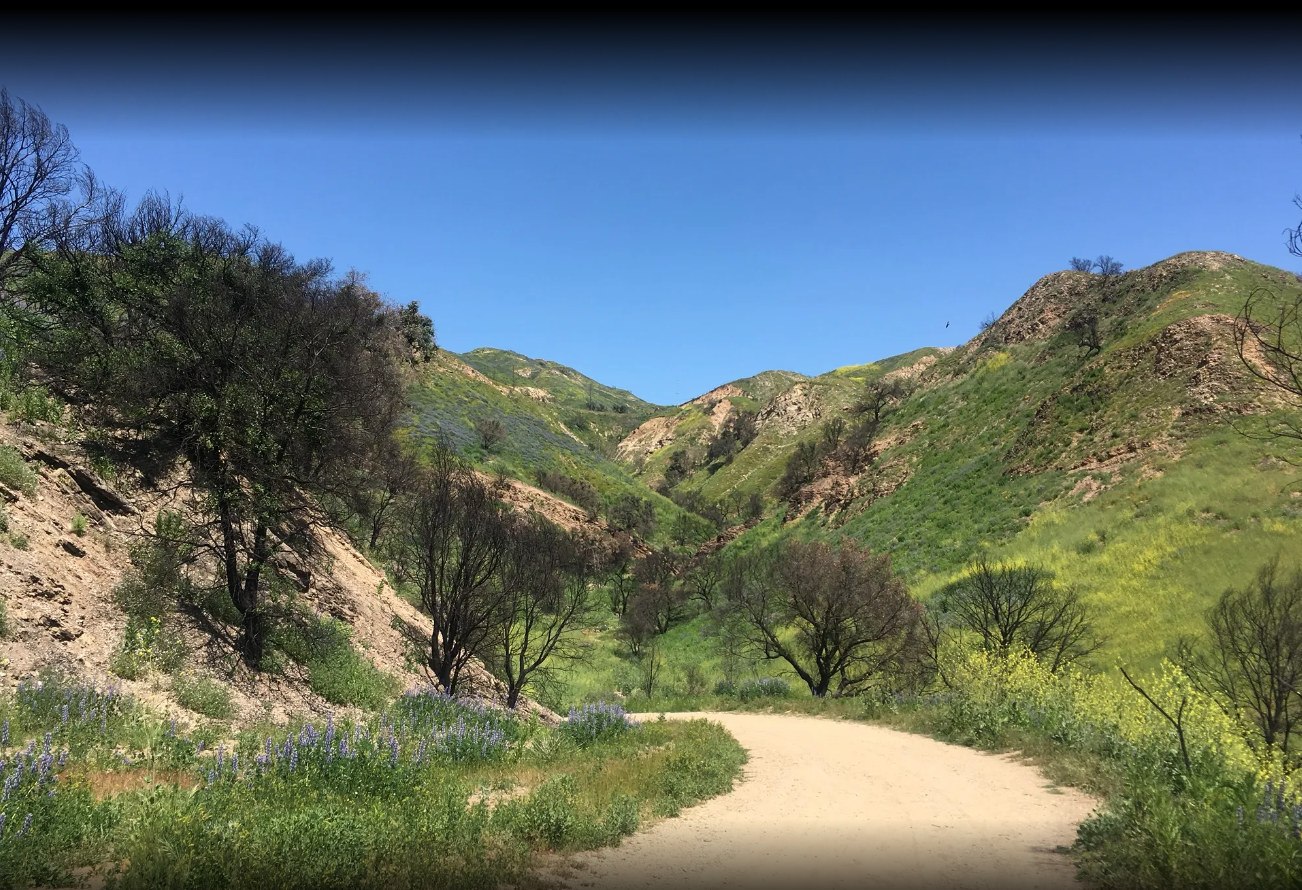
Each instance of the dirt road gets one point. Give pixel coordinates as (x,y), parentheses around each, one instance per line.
(833,804)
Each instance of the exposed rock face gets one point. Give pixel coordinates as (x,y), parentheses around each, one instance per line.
(728,390)
(646,440)
(791,410)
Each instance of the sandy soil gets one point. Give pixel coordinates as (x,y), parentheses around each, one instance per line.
(833,804)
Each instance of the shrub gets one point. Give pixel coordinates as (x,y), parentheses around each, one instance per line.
(579,491)
(344,677)
(336,671)
(18,542)
(204,696)
(694,682)
(79,525)
(35,404)
(4,619)
(596,722)
(14,471)
(765,687)
(548,814)
(145,646)
(622,817)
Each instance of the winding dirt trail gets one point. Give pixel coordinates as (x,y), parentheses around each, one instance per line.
(838,804)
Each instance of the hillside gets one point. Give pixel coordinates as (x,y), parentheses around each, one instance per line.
(1112,461)
(540,432)
(68,542)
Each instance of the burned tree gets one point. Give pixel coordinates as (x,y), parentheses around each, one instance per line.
(842,620)
(46,194)
(545,585)
(455,540)
(1254,661)
(1020,607)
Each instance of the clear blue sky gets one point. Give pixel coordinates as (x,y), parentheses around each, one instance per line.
(668,208)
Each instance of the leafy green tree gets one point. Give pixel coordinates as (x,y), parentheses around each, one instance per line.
(269,379)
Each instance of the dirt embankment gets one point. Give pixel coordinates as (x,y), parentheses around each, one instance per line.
(646,440)
(835,804)
(58,588)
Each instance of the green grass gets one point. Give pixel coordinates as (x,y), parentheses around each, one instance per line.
(15,473)
(447,403)
(336,670)
(203,695)
(171,805)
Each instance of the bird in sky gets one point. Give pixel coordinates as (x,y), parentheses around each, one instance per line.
(946,324)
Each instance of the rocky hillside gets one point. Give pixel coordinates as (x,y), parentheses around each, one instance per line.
(67,544)
(1091,427)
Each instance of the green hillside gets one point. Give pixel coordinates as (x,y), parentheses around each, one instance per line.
(1112,461)
(566,385)
(451,400)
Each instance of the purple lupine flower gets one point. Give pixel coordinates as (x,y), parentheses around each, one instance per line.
(4,734)
(63,758)
(171,730)
(198,749)
(393,752)
(27,823)
(63,714)
(293,759)
(221,756)
(343,747)
(330,729)
(2,824)
(235,764)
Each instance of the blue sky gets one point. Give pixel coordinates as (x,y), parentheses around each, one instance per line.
(669,210)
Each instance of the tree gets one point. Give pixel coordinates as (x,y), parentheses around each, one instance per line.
(1014,607)
(455,540)
(1268,339)
(491,432)
(271,379)
(620,581)
(545,585)
(1084,325)
(1079,264)
(388,474)
(833,432)
(45,192)
(633,514)
(1254,661)
(704,578)
(658,599)
(801,468)
(842,620)
(1108,266)
(877,397)
(418,332)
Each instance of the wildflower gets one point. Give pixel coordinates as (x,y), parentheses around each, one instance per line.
(293,759)
(2,824)
(4,734)
(27,823)
(63,714)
